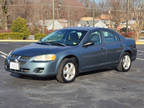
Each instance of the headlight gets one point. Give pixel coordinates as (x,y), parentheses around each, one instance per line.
(49,57)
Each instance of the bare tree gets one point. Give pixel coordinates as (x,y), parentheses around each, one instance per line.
(138,15)
(4,10)
(117,8)
(73,11)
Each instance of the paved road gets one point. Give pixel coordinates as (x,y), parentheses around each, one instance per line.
(100,89)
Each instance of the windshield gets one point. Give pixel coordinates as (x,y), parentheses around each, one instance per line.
(65,37)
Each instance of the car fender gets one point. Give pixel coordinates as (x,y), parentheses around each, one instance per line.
(124,50)
(62,56)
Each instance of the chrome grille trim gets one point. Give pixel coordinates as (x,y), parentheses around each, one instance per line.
(20,57)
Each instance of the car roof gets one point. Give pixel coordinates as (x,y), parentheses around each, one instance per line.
(86,28)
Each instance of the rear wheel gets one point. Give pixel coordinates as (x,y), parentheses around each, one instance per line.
(67,70)
(125,63)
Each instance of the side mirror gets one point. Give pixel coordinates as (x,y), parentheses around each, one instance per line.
(86,44)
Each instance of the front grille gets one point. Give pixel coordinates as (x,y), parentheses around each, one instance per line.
(21,70)
(22,62)
(24,70)
(20,57)
(14,56)
(25,58)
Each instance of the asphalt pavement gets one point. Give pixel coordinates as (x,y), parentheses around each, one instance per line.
(98,89)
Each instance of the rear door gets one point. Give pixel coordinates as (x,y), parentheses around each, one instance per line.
(112,45)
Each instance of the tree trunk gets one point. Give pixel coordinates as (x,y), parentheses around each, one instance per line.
(137,35)
(5,22)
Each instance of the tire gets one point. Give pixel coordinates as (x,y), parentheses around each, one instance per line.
(67,71)
(125,63)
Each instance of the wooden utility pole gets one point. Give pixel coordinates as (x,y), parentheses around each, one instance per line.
(4,6)
(127,16)
(53,11)
(110,23)
(93,13)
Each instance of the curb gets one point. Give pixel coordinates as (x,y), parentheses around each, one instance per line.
(18,40)
(137,42)
(140,42)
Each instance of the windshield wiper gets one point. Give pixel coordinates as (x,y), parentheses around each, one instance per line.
(56,43)
(53,43)
(42,42)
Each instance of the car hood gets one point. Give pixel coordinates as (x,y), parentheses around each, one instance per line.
(38,49)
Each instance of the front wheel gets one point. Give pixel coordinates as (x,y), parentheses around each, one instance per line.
(125,63)
(67,70)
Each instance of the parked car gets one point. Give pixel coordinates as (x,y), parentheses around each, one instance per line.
(142,31)
(67,52)
(129,34)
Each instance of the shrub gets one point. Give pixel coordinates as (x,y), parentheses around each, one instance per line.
(20,25)
(13,35)
(34,30)
(38,36)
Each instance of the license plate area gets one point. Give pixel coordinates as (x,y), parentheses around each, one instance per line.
(14,66)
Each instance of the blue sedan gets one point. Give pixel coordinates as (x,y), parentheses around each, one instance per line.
(67,52)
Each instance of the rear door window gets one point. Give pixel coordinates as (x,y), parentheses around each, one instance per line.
(109,37)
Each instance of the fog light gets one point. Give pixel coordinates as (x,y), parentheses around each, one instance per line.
(24,70)
(39,70)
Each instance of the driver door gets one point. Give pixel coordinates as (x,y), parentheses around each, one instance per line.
(94,55)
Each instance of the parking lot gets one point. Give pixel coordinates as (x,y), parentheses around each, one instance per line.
(100,89)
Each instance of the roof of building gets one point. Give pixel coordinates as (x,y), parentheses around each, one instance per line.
(85,28)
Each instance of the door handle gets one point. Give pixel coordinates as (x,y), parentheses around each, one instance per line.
(121,45)
(102,48)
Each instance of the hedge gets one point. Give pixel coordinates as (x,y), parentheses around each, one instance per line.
(13,35)
(20,25)
(38,36)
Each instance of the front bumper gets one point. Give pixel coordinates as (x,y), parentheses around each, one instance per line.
(30,68)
